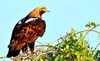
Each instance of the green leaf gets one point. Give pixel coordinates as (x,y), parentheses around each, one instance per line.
(41,59)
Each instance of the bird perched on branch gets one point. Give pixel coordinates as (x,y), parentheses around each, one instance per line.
(26,31)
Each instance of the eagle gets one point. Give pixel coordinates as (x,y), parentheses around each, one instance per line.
(26,31)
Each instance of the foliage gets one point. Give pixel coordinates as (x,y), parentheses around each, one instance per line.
(71,47)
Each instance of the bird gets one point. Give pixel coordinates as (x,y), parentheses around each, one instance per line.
(26,31)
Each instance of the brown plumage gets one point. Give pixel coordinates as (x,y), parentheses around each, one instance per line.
(26,31)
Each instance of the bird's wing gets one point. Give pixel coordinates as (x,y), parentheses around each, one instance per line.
(17,28)
(27,32)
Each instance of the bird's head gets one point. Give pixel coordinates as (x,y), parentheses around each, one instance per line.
(37,12)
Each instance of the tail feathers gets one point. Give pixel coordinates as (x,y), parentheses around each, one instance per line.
(13,53)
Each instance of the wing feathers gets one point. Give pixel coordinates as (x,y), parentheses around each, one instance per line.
(24,34)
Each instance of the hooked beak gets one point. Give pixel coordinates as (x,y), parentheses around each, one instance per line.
(47,10)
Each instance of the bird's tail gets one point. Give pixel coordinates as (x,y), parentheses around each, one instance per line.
(12,53)
(14,49)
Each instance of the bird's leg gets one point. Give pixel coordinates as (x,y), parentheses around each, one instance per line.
(31,46)
(25,48)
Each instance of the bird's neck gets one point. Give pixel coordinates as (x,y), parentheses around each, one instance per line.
(36,14)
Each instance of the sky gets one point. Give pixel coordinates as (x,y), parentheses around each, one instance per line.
(63,15)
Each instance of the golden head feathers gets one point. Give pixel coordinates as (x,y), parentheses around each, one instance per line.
(37,12)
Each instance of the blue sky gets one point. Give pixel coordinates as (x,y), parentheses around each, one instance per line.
(63,15)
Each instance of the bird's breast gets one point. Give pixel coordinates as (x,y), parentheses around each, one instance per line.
(31,31)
